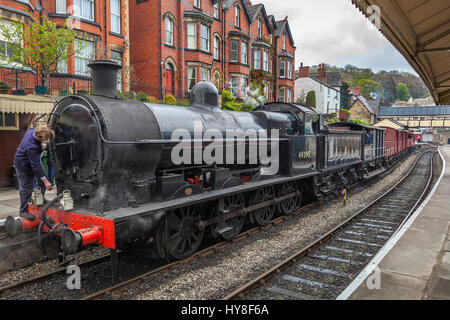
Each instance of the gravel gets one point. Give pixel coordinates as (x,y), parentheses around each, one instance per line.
(216,276)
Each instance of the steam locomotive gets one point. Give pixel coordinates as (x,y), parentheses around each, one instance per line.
(119,187)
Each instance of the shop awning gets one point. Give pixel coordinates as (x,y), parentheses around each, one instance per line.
(33,104)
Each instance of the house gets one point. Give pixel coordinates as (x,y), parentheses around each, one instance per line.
(176,44)
(363,110)
(101,26)
(328,98)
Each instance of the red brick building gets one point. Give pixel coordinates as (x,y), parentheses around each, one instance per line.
(102,25)
(231,43)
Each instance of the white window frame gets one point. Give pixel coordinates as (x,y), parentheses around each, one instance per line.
(60,6)
(282,69)
(190,77)
(259,28)
(169,34)
(10,128)
(191,36)
(216,10)
(289,69)
(237,16)
(257,59)
(84,57)
(235,86)
(288,95)
(284,41)
(216,47)
(205,74)
(197,4)
(80,9)
(236,51)
(205,44)
(244,87)
(244,53)
(265,61)
(115,16)
(282,96)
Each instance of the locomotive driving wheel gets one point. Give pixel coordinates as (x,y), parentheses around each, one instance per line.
(233,203)
(290,205)
(181,234)
(264,215)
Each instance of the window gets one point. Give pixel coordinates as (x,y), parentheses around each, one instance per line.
(61,6)
(7,49)
(257,58)
(244,87)
(284,41)
(84,56)
(266,60)
(244,53)
(288,94)
(169,30)
(234,51)
(115,16)
(192,77)
(197,3)
(281,97)
(204,37)
(282,69)
(191,36)
(205,74)
(234,86)
(62,66)
(217,80)
(9,121)
(289,70)
(237,16)
(117,57)
(216,48)
(216,10)
(84,9)
(266,90)
(259,28)
(328,107)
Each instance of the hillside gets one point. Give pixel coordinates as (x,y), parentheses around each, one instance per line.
(389,80)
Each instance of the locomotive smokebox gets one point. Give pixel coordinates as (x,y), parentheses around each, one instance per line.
(104,77)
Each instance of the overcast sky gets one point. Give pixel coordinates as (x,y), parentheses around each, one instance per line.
(336,33)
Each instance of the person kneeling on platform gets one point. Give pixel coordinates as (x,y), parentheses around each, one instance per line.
(28,165)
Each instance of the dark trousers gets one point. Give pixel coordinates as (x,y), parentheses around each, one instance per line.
(26,180)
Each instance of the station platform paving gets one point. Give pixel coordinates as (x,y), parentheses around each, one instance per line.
(417,265)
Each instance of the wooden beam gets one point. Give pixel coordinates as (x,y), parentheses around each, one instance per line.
(442,49)
(421,46)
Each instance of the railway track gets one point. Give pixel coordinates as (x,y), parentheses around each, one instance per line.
(213,249)
(210,250)
(323,269)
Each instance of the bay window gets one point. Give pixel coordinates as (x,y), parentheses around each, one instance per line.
(84,9)
(257,59)
(191,35)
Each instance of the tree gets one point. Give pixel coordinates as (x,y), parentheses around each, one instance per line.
(301,98)
(345,96)
(369,87)
(39,45)
(311,99)
(403,92)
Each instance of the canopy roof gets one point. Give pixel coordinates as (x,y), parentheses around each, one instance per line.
(26,104)
(420,30)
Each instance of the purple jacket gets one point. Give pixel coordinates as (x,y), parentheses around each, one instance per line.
(28,155)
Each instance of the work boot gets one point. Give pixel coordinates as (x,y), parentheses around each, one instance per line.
(27,215)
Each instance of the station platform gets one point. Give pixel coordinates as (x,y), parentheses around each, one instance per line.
(415,263)
(10,201)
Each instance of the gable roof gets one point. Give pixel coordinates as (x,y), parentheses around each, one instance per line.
(227,4)
(320,82)
(364,103)
(281,25)
(255,10)
(389,123)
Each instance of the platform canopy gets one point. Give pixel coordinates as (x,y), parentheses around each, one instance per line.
(420,30)
(33,104)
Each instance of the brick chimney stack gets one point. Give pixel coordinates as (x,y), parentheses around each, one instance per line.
(303,71)
(322,73)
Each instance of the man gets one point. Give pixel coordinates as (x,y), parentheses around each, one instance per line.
(28,165)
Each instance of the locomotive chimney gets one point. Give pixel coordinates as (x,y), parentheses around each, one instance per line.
(104,77)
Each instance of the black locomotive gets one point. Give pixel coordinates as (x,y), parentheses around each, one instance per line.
(115,156)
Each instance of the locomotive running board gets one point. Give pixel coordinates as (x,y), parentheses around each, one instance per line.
(124,213)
